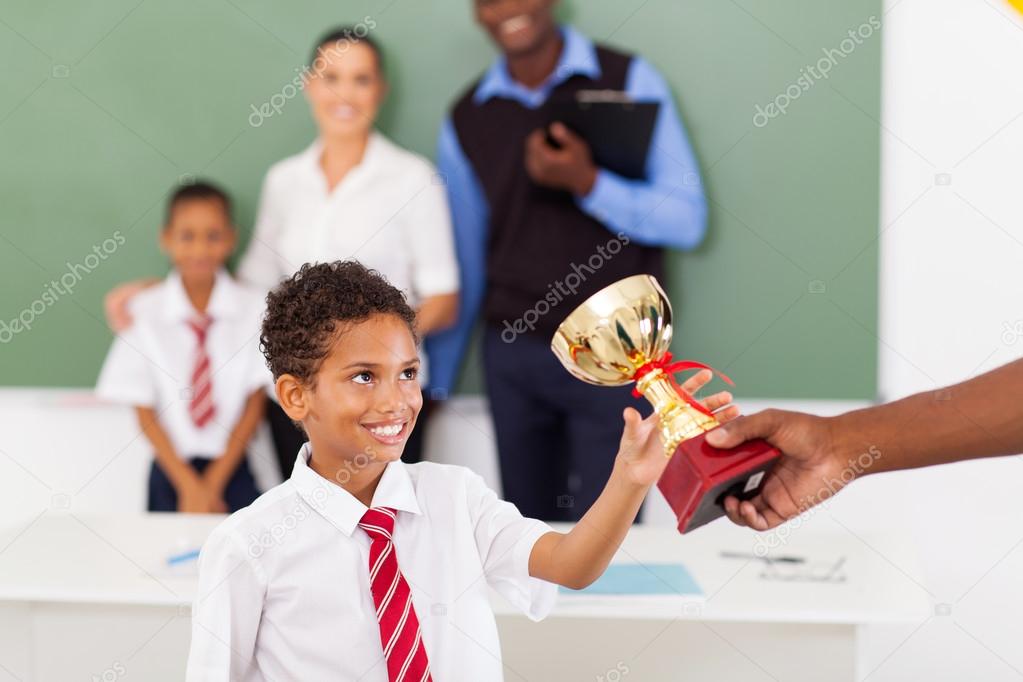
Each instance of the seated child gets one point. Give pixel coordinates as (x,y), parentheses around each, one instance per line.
(361,567)
(190,363)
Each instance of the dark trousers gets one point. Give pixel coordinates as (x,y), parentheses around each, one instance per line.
(288,438)
(241,490)
(557,436)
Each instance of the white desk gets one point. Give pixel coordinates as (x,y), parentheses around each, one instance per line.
(88,597)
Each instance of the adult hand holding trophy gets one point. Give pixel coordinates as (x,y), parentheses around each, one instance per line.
(620,335)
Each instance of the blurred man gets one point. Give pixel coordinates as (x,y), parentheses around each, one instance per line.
(540,227)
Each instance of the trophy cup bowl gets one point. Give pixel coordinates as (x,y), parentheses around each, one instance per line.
(620,335)
(615,332)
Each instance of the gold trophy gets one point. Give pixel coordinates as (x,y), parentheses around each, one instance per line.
(620,335)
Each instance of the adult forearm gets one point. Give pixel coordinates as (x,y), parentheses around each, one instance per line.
(436,313)
(663,214)
(981,417)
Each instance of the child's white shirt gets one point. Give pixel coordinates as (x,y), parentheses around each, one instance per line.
(284,583)
(151,363)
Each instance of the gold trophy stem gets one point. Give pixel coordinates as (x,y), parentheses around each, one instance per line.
(679,420)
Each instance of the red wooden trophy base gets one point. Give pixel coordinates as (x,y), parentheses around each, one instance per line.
(699,477)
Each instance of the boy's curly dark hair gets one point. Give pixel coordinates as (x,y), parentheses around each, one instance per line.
(305,312)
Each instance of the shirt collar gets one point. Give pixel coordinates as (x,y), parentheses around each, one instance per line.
(338,506)
(578,56)
(375,148)
(222,305)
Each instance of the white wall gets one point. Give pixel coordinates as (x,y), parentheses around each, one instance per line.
(951,284)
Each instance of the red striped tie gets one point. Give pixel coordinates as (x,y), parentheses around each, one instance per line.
(201,407)
(399,628)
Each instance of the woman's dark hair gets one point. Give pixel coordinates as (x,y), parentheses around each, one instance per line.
(337,37)
(307,311)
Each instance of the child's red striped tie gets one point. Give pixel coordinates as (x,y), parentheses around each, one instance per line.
(399,628)
(201,407)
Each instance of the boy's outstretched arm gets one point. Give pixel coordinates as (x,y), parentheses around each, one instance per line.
(577,558)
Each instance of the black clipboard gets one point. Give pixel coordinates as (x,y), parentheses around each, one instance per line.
(616,128)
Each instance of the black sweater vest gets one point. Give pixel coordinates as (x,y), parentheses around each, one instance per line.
(541,246)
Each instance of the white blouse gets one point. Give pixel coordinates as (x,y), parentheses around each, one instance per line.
(389,212)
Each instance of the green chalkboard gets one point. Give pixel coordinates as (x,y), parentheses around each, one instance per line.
(105,106)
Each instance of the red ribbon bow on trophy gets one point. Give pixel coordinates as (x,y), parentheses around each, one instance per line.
(665,364)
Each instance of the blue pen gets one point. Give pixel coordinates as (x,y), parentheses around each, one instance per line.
(183,557)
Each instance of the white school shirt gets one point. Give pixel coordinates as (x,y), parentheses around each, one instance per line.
(389,212)
(150,364)
(284,583)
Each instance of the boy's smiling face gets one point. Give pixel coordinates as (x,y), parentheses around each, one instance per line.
(365,396)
